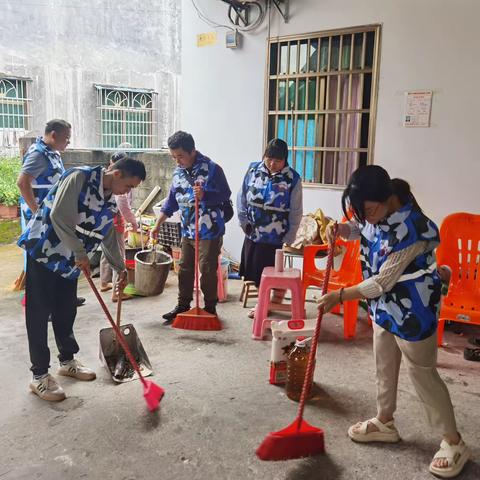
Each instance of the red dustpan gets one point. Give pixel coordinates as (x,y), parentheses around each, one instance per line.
(300,439)
(151,391)
(197,318)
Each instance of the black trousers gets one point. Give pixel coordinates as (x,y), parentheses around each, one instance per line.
(49,296)
(255,257)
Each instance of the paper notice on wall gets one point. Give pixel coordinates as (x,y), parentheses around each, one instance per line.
(205,39)
(418,106)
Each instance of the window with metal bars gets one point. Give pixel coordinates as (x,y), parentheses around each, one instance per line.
(126,116)
(321,99)
(14,112)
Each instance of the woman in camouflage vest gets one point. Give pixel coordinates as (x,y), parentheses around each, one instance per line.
(269,206)
(402,288)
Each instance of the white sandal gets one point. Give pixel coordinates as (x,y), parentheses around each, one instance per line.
(456,456)
(386,432)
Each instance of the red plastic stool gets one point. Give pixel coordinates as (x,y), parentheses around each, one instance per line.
(290,279)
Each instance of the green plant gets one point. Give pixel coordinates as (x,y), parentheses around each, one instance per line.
(9,170)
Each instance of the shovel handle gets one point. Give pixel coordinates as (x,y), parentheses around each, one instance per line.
(119,309)
(117,330)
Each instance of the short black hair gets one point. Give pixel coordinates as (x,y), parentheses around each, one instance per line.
(56,125)
(130,167)
(276,148)
(181,140)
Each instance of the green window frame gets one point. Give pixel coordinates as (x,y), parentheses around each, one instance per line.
(321,93)
(14,104)
(126,115)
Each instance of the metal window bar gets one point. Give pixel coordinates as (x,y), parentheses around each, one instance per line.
(128,115)
(339,56)
(15,113)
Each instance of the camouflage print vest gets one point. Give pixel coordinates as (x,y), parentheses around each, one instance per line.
(409,310)
(268,202)
(44,182)
(211,223)
(95,218)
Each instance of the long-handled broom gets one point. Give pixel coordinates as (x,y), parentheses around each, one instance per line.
(152,392)
(300,439)
(196,318)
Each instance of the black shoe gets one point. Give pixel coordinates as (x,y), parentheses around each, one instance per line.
(80,301)
(211,309)
(170,316)
(474,341)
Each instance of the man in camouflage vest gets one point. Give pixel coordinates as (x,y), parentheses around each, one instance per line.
(74,218)
(196,176)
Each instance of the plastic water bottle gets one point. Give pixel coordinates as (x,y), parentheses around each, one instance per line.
(297,362)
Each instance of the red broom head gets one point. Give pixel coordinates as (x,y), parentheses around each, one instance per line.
(291,443)
(152,393)
(197,319)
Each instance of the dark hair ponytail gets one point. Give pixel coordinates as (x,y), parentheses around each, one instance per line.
(372,183)
(401,189)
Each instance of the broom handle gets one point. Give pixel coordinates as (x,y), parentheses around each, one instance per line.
(117,330)
(313,350)
(197,244)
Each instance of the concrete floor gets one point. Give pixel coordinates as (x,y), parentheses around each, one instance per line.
(218,406)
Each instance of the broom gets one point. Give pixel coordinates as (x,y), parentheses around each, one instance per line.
(300,439)
(151,391)
(197,318)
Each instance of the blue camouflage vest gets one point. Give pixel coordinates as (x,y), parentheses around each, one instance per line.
(268,202)
(211,222)
(95,218)
(44,182)
(409,310)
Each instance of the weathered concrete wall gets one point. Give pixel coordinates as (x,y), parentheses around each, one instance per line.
(159,166)
(65,46)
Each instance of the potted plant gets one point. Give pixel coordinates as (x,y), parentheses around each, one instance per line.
(9,194)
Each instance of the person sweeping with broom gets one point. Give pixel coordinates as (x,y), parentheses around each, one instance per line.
(196,176)
(72,220)
(402,288)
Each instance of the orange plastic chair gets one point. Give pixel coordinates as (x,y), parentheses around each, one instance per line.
(460,250)
(349,273)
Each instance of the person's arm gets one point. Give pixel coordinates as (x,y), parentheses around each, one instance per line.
(64,213)
(112,252)
(388,275)
(33,165)
(218,191)
(295,214)
(242,205)
(125,210)
(171,205)
(24,184)
(169,208)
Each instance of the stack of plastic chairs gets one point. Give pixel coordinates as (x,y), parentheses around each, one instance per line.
(460,250)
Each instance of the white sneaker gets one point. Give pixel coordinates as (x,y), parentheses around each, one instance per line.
(48,389)
(75,369)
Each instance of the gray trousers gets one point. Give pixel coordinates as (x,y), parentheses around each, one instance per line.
(209,250)
(421,361)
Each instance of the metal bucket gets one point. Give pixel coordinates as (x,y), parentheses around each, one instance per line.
(111,354)
(151,271)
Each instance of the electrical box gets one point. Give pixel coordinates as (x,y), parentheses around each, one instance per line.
(232,39)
